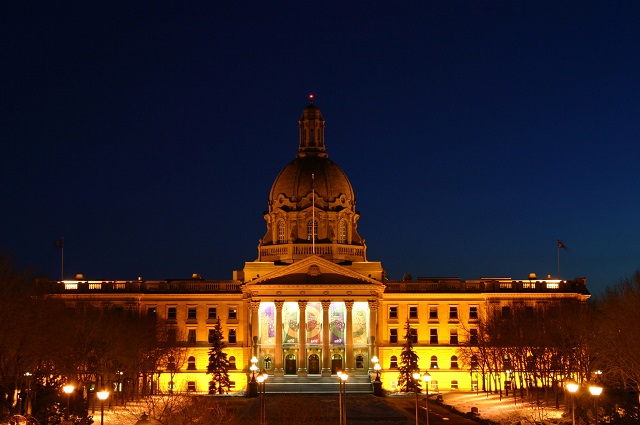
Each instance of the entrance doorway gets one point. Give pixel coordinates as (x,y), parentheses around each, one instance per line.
(290,365)
(314,364)
(336,363)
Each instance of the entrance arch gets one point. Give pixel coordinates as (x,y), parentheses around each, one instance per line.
(314,364)
(336,363)
(290,365)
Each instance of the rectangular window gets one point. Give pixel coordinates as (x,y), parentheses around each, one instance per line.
(413,312)
(393,312)
(453,312)
(233,313)
(414,335)
(433,312)
(506,311)
(453,336)
(473,312)
(191,313)
(473,336)
(191,336)
(171,335)
(393,336)
(191,386)
(212,313)
(152,311)
(212,336)
(232,336)
(172,313)
(454,385)
(433,336)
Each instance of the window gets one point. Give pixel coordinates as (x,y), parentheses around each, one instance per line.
(172,335)
(191,336)
(267,363)
(152,311)
(433,336)
(212,336)
(413,312)
(506,311)
(191,363)
(342,232)
(232,336)
(473,336)
(454,385)
(232,363)
(454,362)
(171,363)
(474,362)
(414,335)
(393,364)
(191,386)
(312,230)
(433,312)
(233,313)
(473,312)
(393,312)
(281,232)
(359,362)
(212,313)
(191,313)
(393,336)
(171,313)
(453,336)
(434,362)
(453,312)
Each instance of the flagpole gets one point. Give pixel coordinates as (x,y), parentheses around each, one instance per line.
(62,259)
(558,246)
(313,213)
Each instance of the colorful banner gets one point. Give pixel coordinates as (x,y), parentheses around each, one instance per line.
(336,323)
(314,323)
(359,319)
(267,318)
(290,323)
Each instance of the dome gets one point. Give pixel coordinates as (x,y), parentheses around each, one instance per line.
(304,174)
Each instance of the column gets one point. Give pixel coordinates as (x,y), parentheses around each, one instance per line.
(302,334)
(278,370)
(373,326)
(348,332)
(255,327)
(326,355)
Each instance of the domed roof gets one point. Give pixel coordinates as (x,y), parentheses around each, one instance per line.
(303,174)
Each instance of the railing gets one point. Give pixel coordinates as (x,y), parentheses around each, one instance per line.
(298,251)
(161,286)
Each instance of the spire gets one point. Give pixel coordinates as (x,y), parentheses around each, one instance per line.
(311,131)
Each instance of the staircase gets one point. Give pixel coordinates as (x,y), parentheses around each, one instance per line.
(317,384)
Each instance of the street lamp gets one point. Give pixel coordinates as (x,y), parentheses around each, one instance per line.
(416,376)
(572,387)
(253,385)
(342,386)
(427,379)
(595,392)
(68,389)
(102,395)
(376,367)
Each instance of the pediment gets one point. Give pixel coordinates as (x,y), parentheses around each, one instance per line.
(313,270)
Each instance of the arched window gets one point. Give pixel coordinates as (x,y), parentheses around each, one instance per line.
(393,364)
(434,362)
(191,363)
(312,230)
(454,362)
(342,232)
(281,232)
(232,363)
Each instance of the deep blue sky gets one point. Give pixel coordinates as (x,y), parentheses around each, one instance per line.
(475,133)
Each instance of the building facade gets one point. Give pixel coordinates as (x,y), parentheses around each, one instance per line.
(312,303)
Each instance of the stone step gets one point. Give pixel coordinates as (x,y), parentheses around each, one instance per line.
(317,385)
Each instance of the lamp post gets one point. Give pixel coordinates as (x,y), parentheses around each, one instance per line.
(342,386)
(68,389)
(102,395)
(253,385)
(595,392)
(427,379)
(572,387)
(416,376)
(260,380)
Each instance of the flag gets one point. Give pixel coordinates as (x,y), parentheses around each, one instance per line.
(59,243)
(561,245)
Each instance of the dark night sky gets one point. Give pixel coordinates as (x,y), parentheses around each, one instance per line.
(475,133)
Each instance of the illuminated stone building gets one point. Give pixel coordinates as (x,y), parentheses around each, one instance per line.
(312,303)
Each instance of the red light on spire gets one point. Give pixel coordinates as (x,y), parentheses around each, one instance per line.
(311,98)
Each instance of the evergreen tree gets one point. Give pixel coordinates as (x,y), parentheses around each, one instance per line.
(218,363)
(408,363)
